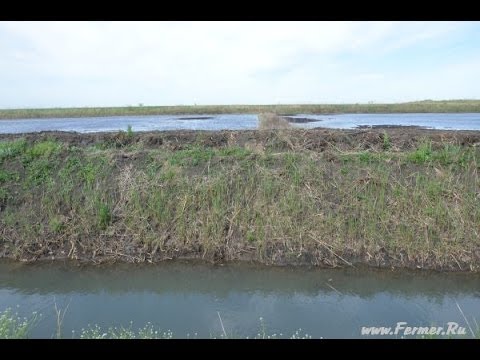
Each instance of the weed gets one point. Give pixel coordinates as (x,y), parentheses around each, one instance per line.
(104,216)
(56,225)
(194,156)
(43,149)
(130,131)
(14,327)
(422,154)
(9,149)
(387,144)
(272,121)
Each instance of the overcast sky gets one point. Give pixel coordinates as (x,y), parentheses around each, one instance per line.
(62,64)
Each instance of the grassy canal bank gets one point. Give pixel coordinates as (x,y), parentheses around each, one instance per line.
(427,106)
(388,198)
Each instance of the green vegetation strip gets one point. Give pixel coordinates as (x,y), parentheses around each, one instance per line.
(278,203)
(14,327)
(447,106)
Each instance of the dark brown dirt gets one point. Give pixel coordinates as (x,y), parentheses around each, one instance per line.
(195,118)
(390,127)
(315,139)
(297,120)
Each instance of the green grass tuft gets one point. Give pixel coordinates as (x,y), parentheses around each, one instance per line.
(104,216)
(9,149)
(422,154)
(14,327)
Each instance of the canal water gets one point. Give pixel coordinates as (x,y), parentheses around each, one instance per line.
(194,298)
(455,121)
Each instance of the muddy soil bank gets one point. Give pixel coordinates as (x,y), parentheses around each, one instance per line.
(400,138)
(394,197)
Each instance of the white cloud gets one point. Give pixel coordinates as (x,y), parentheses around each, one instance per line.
(119,63)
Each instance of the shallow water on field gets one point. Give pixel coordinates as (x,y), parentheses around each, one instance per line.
(451,121)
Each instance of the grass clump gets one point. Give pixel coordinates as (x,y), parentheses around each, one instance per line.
(422,154)
(387,143)
(8,176)
(447,154)
(14,327)
(9,149)
(193,156)
(272,121)
(130,131)
(43,149)
(104,216)
(451,154)
(56,224)
(121,332)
